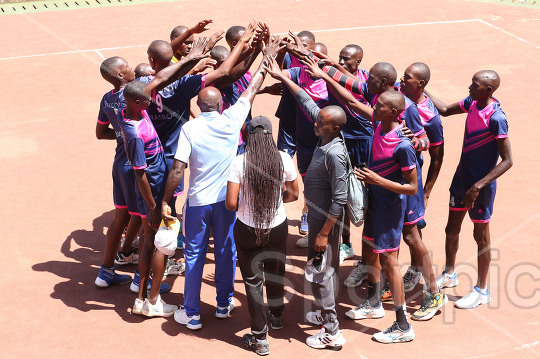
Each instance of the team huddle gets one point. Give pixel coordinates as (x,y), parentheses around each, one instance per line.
(340,122)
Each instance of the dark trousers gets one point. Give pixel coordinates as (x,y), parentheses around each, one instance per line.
(258,263)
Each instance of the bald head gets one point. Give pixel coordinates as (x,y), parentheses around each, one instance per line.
(219,53)
(160,53)
(110,68)
(394,99)
(143,70)
(421,71)
(177,31)
(233,34)
(320,47)
(209,100)
(385,70)
(334,115)
(355,50)
(489,78)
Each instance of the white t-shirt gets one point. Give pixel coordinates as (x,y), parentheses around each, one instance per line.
(208,144)
(237,176)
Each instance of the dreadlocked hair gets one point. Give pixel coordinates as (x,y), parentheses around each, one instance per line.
(263,182)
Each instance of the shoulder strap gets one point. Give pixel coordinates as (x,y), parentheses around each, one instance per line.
(344,149)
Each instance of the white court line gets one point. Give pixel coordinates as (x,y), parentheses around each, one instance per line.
(283,33)
(100,54)
(508,33)
(521,347)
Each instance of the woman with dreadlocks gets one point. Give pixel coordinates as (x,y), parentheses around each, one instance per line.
(260,181)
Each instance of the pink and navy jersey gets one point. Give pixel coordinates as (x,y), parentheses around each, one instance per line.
(110,104)
(170,108)
(290,62)
(432,122)
(362,75)
(317,90)
(143,149)
(232,93)
(482,128)
(356,127)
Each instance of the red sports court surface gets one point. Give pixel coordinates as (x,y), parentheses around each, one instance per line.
(56,187)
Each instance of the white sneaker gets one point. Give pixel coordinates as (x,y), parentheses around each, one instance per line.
(314,317)
(323,340)
(345,252)
(160,309)
(411,279)
(302,242)
(137,307)
(394,335)
(473,299)
(366,311)
(357,276)
(225,312)
(173,268)
(446,280)
(192,322)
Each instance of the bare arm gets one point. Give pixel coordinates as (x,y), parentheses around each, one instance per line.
(231,200)
(410,187)
(144,186)
(444,109)
(104,132)
(197,29)
(503,145)
(173,180)
(290,193)
(436,154)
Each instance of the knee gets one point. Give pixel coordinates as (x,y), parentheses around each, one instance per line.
(481,237)
(452,230)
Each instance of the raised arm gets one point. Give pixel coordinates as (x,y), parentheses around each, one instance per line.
(503,144)
(256,81)
(443,108)
(344,96)
(197,29)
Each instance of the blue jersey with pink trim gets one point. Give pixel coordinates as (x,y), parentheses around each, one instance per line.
(316,89)
(232,93)
(110,103)
(368,97)
(482,128)
(143,149)
(432,122)
(356,127)
(170,109)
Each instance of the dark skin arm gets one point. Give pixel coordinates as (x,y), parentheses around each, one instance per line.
(505,150)
(173,180)
(436,154)
(104,132)
(410,187)
(444,109)
(153,215)
(197,29)
(290,192)
(321,240)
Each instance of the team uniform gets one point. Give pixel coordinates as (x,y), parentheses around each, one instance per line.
(479,156)
(306,140)
(286,112)
(392,153)
(432,123)
(415,208)
(169,110)
(122,173)
(144,151)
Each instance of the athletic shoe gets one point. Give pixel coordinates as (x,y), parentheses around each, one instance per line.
(411,279)
(173,268)
(473,299)
(134,244)
(276,321)
(108,276)
(123,259)
(303,224)
(192,322)
(258,346)
(137,306)
(134,287)
(302,242)
(386,293)
(323,340)
(357,276)
(225,312)
(446,280)
(314,317)
(394,335)
(160,309)
(345,252)
(366,311)
(430,305)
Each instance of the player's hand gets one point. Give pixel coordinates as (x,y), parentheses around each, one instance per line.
(154,218)
(250,31)
(197,51)
(275,89)
(299,46)
(426,198)
(213,40)
(366,175)
(273,46)
(273,68)
(312,68)
(204,65)
(470,196)
(201,26)
(407,133)
(321,241)
(166,214)
(324,58)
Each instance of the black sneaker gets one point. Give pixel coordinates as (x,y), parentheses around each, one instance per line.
(259,347)
(276,322)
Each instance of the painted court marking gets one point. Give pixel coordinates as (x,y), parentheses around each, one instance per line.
(98,51)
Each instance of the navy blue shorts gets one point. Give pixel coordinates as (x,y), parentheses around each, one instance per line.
(359,150)
(124,184)
(483,206)
(286,140)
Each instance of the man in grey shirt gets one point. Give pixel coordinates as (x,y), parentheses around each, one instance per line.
(325,190)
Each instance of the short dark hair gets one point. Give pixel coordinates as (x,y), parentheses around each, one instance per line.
(307,34)
(134,90)
(233,33)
